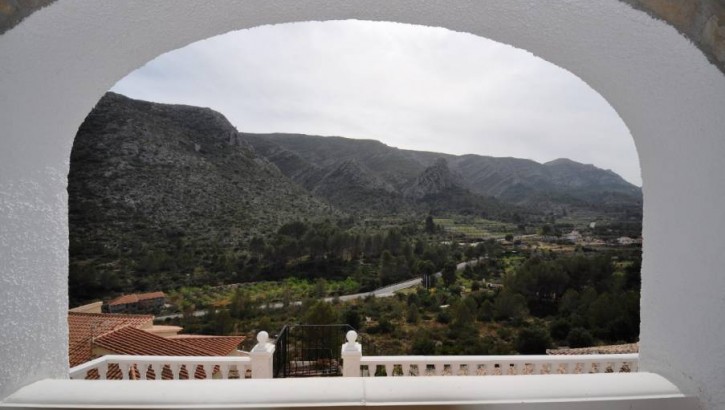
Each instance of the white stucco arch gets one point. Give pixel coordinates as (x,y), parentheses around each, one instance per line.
(56,64)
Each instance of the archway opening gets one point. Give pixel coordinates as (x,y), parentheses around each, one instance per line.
(173,198)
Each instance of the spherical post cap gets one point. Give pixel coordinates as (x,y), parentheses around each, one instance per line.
(351,336)
(262,337)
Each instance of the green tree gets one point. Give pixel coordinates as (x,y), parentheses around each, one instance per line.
(449,274)
(426,269)
(352,317)
(412,316)
(463,316)
(486,311)
(320,290)
(293,229)
(430,226)
(509,306)
(387,268)
(579,337)
(560,328)
(423,344)
(241,305)
(320,313)
(533,340)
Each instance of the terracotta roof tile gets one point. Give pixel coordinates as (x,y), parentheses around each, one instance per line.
(151,295)
(136,297)
(132,341)
(125,334)
(124,300)
(83,327)
(219,345)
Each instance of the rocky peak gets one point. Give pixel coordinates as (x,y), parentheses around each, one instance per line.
(350,173)
(433,180)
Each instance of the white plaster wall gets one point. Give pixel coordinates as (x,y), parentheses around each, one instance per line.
(57,63)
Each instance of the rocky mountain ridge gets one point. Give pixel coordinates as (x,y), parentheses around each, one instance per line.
(542,187)
(181,170)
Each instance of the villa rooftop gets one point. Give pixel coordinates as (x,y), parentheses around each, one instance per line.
(93,334)
(607,349)
(135,298)
(84,327)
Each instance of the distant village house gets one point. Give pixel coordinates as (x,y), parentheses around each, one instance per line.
(628,241)
(138,303)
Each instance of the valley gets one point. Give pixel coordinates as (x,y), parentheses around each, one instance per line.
(240,225)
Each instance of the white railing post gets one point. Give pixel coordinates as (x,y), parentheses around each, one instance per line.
(351,356)
(262,357)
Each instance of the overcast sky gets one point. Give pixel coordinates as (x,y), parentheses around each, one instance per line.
(408,86)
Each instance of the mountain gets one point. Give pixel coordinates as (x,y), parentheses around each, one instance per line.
(164,172)
(144,172)
(162,196)
(548,187)
(434,180)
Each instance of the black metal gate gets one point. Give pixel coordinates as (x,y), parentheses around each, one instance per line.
(309,350)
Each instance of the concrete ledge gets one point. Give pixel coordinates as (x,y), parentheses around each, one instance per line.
(591,391)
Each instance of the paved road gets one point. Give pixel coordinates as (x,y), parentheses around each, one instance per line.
(391,289)
(383,292)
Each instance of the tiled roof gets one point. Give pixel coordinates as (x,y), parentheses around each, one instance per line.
(123,300)
(132,341)
(608,349)
(219,345)
(83,327)
(152,295)
(135,298)
(130,334)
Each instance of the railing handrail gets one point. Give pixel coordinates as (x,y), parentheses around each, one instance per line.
(504,358)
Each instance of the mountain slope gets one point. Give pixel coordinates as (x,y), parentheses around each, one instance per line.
(168,168)
(521,182)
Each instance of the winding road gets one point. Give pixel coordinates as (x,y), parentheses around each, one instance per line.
(383,292)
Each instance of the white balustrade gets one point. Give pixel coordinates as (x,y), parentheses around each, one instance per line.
(163,367)
(355,364)
(126,367)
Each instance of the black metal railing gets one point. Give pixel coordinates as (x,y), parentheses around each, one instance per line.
(280,353)
(310,350)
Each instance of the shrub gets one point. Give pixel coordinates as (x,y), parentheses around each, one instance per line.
(580,337)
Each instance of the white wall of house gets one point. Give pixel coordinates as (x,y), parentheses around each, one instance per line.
(57,63)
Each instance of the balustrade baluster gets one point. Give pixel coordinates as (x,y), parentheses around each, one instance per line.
(103,371)
(175,370)
(158,369)
(406,369)
(124,367)
(618,367)
(142,370)
(593,367)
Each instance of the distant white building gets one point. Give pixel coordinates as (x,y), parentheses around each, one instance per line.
(573,236)
(625,240)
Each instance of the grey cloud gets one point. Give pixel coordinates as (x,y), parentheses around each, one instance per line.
(408,86)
